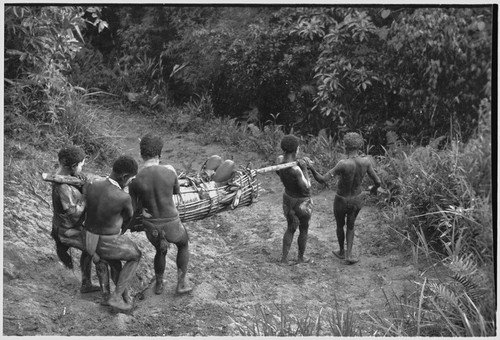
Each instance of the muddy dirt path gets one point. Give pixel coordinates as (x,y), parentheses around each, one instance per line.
(234,262)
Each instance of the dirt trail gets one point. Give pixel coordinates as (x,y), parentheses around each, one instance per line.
(234,262)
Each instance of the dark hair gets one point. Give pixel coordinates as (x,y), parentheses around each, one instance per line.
(70,155)
(353,141)
(151,146)
(289,143)
(125,165)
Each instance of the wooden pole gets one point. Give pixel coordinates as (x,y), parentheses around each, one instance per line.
(71,180)
(275,167)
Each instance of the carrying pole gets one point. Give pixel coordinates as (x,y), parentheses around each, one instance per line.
(71,180)
(275,167)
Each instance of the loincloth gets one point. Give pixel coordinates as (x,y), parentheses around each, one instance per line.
(351,203)
(168,229)
(110,247)
(301,207)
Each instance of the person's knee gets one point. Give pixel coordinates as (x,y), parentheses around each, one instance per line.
(136,254)
(183,243)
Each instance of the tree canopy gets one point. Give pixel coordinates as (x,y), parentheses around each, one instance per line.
(418,73)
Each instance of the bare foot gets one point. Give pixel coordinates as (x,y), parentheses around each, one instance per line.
(285,263)
(184,289)
(340,254)
(351,261)
(118,303)
(89,289)
(303,259)
(159,288)
(127,298)
(105,299)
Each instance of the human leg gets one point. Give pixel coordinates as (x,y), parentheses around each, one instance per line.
(292,223)
(159,266)
(120,248)
(86,269)
(351,219)
(161,248)
(182,266)
(62,252)
(103,275)
(303,212)
(339,211)
(176,233)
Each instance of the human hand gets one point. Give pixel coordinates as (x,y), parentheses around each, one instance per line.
(302,164)
(308,161)
(81,176)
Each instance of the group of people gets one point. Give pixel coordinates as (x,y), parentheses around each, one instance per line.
(298,204)
(94,217)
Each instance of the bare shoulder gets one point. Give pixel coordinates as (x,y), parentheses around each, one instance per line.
(368,160)
(170,167)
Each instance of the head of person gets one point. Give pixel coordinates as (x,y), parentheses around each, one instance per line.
(151,146)
(290,144)
(353,141)
(124,168)
(72,159)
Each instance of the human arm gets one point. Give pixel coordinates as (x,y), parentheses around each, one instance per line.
(372,174)
(176,190)
(127,214)
(135,224)
(72,203)
(303,181)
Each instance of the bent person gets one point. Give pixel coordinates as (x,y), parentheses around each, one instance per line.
(297,201)
(69,205)
(349,198)
(109,210)
(152,193)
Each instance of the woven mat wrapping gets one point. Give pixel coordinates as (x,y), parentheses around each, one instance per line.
(201,198)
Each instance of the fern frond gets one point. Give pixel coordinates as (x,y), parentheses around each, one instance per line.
(444,294)
(463,266)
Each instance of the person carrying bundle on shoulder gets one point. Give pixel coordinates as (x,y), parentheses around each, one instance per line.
(297,201)
(68,203)
(349,197)
(152,193)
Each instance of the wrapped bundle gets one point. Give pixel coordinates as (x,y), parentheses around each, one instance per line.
(200,198)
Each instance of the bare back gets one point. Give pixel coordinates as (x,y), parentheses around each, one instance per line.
(296,185)
(108,207)
(351,172)
(152,191)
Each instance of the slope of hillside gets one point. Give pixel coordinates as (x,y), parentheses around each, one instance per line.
(234,260)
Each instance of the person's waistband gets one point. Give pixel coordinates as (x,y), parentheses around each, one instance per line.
(295,198)
(162,220)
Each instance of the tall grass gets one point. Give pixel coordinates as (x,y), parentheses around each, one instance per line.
(48,119)
(283,322)
(444,211)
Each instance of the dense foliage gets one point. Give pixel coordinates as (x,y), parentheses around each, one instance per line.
(419,72)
